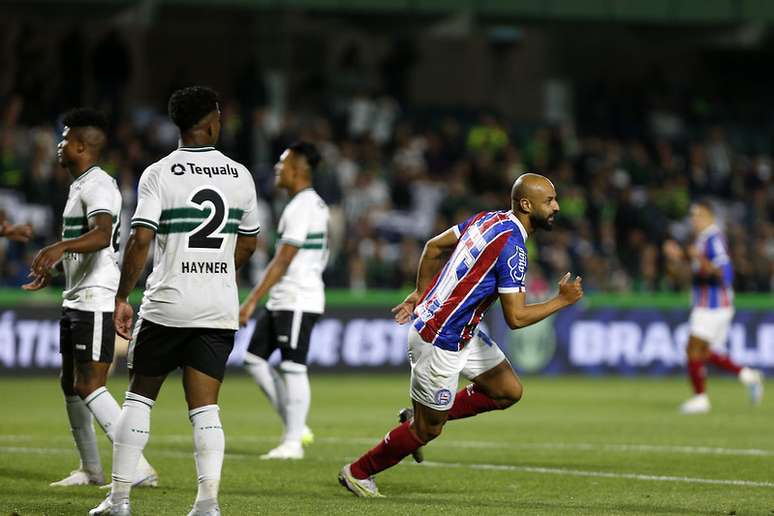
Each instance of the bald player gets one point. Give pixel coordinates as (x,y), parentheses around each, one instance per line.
(88,252)
(487,261)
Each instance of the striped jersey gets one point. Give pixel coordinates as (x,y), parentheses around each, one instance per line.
(489,259)
(303,224)
(91,279)
(710,291)
(197,200)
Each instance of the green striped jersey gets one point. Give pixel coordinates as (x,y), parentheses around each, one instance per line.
(303,224)
(198,201)
(91,279)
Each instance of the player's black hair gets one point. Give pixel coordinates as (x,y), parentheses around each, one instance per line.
(85,117)
(706,204)
(189,105)
(308,151)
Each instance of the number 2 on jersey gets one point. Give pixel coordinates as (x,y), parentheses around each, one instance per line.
(201,237)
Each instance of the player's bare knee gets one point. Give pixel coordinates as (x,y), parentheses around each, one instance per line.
(85,386)
(511,395)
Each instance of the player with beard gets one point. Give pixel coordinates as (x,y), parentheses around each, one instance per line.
(488,261)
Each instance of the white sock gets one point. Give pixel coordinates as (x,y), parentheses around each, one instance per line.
(106,411)
(299,397)
(270,382)
(131,435)
(209,446)
(83,433)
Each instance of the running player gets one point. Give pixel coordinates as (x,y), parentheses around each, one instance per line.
(713,308)
(201,209)
(488,260)
(294,282)
(88,252)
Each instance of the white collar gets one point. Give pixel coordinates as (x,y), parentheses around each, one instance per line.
(513,217)
(712,228)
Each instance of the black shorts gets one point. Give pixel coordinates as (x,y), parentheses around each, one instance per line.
(88,336)
(283,329)
(157,350)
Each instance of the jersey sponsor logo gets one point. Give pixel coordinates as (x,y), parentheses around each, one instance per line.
(204,268)
(443,397)
(80,346)
(518,265)
(179,169)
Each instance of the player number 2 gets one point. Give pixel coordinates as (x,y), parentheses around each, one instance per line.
(201,237)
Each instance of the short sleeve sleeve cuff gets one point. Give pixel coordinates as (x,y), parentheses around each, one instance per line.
(249,231)
(511,290)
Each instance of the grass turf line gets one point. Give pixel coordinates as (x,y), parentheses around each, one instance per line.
(611,426)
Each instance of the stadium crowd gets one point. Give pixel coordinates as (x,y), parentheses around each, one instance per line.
(394,178)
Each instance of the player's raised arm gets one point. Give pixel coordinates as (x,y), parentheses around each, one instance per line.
(519,314)
(433,256)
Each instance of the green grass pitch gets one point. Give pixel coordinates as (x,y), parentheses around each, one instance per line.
(572,446)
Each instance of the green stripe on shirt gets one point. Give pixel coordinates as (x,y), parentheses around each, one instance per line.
(195,213)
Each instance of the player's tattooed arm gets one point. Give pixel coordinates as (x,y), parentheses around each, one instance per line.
(519,314)
(134,262)
(273,273)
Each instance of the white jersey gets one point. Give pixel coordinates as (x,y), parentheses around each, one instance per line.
(91,279)
(303,224)
(197,200)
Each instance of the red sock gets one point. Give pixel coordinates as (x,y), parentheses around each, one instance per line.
(698,375)
(469,402)
(398,444)
(723,362)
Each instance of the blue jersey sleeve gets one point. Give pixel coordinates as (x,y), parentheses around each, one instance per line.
(460,228)
(715,252)
(511,267)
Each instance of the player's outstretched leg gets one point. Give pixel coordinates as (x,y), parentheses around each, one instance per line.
(407,414)
(698,353)
(402,440)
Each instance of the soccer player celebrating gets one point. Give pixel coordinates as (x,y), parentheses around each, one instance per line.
(488,260)
(713,308)
(294,282)
(201,209)
(88,252)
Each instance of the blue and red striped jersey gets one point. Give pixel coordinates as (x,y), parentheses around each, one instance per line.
(490,258)
(710,291)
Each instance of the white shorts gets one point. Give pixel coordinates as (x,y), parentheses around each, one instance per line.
(711,325)
(435,372)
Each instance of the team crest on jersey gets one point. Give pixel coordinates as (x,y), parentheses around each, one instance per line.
(443,397)
(178,169)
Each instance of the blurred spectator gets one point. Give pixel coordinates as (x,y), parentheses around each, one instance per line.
(392,179)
